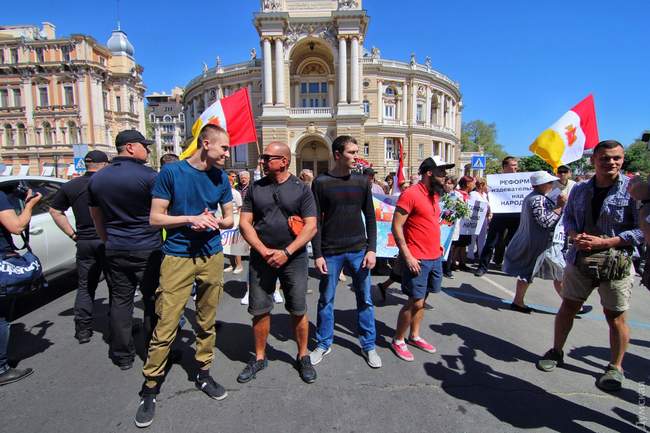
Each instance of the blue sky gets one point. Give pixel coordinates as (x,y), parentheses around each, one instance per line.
(521,64)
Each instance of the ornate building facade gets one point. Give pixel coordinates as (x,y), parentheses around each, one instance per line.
(166,121)
(316,80)
(59,92)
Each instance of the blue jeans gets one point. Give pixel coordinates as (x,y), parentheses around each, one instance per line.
(365,309)
(4,339)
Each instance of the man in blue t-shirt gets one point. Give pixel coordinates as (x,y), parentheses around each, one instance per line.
(186,196)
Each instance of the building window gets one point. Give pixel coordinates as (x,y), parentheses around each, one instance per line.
(9,136)
(421,151)
(131,105)
(118,103)
(105,100)
(17,98)
(313,94)
(73,133)
(366,107)
(43,97)
(389,111)
(22,134)
(65,53)
(392,150)
(14,55)
(366,149)
(40,55)
(69,95)
(4,98)
(240,153)
(2,56)
(102,61)
(419,113)
(47,133)
(390,91)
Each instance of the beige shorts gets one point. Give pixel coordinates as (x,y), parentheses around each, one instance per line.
(614,295)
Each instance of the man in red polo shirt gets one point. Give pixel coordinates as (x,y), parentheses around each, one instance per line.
(416,228)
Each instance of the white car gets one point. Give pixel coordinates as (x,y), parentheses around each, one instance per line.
(55,250)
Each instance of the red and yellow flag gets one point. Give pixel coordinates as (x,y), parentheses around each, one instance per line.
(566,140)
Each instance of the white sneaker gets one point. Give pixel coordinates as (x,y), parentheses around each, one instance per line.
(228,269)
(372,358)
(342,277)
(244,299)
(277,297)
(316,356)
(238,270)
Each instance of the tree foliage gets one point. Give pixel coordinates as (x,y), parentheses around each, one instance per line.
(534,163)
(637,158)
(479,136)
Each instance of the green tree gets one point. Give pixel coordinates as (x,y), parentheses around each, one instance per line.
(637,158)
(533,163)
(479,136)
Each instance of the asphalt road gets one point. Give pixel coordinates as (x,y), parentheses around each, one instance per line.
(482,379)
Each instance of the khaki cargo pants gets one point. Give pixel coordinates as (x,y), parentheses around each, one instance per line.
(177,276)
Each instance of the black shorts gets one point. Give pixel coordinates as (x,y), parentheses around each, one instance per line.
(463,241)
(293,280)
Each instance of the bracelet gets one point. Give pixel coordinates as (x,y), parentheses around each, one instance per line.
(73,235)
(286,252)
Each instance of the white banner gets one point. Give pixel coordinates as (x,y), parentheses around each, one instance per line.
(233,242)
(507,191)
(478,213)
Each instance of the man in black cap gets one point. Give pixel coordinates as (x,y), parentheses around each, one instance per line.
(376,189)
(90,248)
(120,202)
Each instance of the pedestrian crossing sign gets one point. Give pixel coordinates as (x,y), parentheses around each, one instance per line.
(478,162)
(79,165)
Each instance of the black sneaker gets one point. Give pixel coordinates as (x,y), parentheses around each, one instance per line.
(306,370)
(251,369)
(551,359)
(83,336)
(480,272)
(146,410)
(210,387)
(14,375)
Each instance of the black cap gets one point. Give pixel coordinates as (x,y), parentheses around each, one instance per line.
(368,171)
(95,156)
(564,168)
(131,136)
(435,162)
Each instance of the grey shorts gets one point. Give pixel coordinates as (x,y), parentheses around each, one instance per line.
(614,295)
(293,280)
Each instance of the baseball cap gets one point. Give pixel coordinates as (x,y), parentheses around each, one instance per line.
(434,162)
(95,156)
(541,177)
(131,136)
(368,171)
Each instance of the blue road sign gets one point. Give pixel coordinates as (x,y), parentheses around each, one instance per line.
(478,163)
(79,165)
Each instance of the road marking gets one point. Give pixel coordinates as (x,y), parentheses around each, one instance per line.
(499,286)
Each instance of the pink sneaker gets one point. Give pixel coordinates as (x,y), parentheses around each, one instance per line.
(402,351)
(422,344)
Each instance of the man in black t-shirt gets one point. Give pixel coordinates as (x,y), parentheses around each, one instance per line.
(120,203)
(90,249)
(276,252)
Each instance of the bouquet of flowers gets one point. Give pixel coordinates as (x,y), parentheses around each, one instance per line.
(452,209)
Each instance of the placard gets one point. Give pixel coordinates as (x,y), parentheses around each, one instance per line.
(507,191)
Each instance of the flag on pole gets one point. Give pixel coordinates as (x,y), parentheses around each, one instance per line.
(566,140)
(234,114)
(399,176)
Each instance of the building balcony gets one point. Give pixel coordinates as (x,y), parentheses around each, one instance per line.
(311,112)
(12,111)
(56,110)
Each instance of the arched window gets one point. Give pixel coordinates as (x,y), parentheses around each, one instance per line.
(47,133)
(152,118)
(22,134)
(167,118)
(390,91)
(73,133)
(9,135)
(181,117)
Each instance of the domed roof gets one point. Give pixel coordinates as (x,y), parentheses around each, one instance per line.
(119,44)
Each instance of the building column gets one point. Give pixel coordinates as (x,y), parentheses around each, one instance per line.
(330,93)
(268,73)
(414,104)
(28,103)
(441,110)
(380,101)
(405,103)
(296,94)
(427,111)
(279,72)
(343,75)
(354,70)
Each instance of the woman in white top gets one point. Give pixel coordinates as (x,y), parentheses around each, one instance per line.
(480,193)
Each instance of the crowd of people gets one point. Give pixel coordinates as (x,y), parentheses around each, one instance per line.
(160,233)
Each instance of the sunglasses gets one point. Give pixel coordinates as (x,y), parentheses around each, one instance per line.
(267,158)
